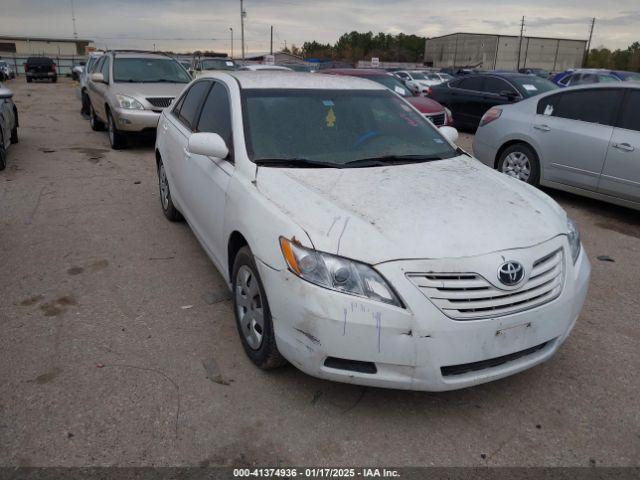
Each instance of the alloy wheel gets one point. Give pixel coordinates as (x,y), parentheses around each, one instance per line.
(164,187)
(249,307)
(517,165)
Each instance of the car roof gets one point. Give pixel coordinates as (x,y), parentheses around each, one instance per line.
(140,55)
(273,79)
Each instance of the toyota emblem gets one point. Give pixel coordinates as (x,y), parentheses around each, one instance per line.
(511,273)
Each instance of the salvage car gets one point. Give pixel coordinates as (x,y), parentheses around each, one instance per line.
(584,140)
(419,81)
(469,97)
(585,76)
(431,109)
(8,124)
(359,243)
(128,89)
(82,92)
(6,71)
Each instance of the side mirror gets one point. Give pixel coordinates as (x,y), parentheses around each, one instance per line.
(449,133)
(509,95)
(5,93)
(208,144)
(97,77)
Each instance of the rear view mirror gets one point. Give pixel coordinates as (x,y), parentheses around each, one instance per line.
(5,93)
(97,77)
(509,95)
(208,144)
(449,133)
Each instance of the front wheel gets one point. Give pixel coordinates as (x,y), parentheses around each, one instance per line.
(520,161)
(168,208)
(253,317)
(117,139)
(3,155)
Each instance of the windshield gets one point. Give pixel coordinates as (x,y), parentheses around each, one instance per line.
(149,70)
(336,127)
(392,83)
(218,64)
(531,85)
(446,77)
(418,76)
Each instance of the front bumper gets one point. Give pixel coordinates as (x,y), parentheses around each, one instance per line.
(135,120)
(415,348)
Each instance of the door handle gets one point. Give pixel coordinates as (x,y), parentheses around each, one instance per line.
(542,128)
(625,147)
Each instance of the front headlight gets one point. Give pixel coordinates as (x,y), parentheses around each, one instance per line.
(337,273)
(574,239)
(129,103)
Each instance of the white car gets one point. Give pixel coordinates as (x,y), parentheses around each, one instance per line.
(419,82)
(261,67)
(358,242)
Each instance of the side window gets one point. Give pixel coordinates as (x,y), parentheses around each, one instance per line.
(548,105)
(593,106)
(178,106)
(607,79)
(216,114)
(190,106)
(631,113)
(98,66)
(104,69)
(567,80)
(471,83)
(497,85)
(402,75)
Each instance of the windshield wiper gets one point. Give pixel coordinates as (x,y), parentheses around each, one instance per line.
(392,160)
(295,163)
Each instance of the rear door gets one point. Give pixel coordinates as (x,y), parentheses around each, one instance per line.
(466,100)
(573,130)
(621,173)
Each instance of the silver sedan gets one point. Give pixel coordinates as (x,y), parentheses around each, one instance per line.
(584,140)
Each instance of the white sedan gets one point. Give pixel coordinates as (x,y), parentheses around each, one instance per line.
(358,242)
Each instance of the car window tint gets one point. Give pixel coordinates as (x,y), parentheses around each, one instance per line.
(471,83)
(216,113)
(497,85)
(630,118)
(192,102)
(593,106)
(105,69)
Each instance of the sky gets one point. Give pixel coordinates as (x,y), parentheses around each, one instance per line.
(187,25)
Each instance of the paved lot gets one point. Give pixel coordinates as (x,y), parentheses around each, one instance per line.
(107,318)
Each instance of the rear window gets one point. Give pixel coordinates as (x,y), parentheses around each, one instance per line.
(39,61)
(593,106)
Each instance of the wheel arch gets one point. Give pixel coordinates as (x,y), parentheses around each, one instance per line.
(235,243)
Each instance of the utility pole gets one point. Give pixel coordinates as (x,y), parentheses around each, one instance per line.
(73,19)
(520,44)
(231,29)
(586,52)
(271,43)
(243,14)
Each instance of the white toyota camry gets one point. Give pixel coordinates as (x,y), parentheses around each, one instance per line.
(359,243)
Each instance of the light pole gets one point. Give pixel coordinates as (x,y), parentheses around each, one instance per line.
(242,15)
(231,30)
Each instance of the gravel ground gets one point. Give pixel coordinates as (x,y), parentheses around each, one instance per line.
(117,351)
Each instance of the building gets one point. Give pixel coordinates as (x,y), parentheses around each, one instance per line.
(280,58)
(25,46)
(500,52)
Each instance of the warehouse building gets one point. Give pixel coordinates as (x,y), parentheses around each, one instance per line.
(502,52)
(21,46)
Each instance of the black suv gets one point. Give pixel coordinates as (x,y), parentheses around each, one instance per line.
(39,68)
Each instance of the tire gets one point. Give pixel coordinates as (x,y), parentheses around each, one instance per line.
(94,122)
(85,103)
(520,161)
(168,208)
(250,307)
(54,79)
(3,155)
(29,79)
(117,139)
(14,135)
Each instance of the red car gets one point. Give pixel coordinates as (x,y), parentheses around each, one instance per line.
(431,109)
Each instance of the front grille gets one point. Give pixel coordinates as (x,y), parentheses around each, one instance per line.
(469,296)
(351,365)
(160,102)
(437,119)
(490,363)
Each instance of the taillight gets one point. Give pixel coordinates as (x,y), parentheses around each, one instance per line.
(53,67)
(428,91)
(26,67)
(491,115)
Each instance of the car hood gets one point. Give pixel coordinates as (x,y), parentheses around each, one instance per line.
(143,90)
(448,208)
(425,105)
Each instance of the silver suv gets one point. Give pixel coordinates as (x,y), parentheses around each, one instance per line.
(128,90)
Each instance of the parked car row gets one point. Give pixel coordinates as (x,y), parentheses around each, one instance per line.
(8,124)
